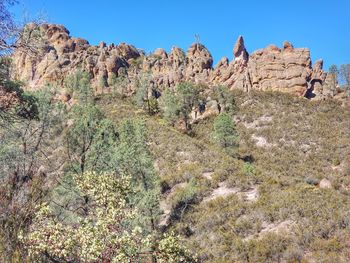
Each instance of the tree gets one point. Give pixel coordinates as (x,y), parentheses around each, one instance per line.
(344,73)
(87,123)
(118,84)
(86,118)
(225,99)
(26,39)
(144,95)
(181,102)
(333,71)
(171,106)
(188,98)
(102,83)
(103,235)
(135,160)
(91,137)
(94,143)
(7,25)
(78,83)
(14,102)
(26,166)
(224,133)
(90,142)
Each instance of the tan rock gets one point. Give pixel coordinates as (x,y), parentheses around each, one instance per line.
(325,184)
(287,46)
(239,49)
(160,53)
(286,69)
(113,63)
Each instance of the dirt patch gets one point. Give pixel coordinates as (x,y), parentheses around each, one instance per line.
(279,227)
(222,190)
(258,123)
(251,194)
(208,175)
(261,141)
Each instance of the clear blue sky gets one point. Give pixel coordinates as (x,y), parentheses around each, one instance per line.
(322,25)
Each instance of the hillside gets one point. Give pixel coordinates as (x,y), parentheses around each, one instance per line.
(285,199)
(109,154)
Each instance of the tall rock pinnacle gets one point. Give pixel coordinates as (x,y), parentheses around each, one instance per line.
(239,50)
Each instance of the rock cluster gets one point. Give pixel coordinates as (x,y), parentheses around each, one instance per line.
(61,54)
(286,69)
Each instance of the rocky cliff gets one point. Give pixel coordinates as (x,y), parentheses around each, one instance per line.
(286,69)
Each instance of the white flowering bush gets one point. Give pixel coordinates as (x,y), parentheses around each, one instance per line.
(103,235)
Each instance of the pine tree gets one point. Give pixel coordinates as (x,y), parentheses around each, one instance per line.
(181,102)
(89,142)
(135,160)
(189,98)
(225,100)
(344,73)
(171,106)
(334,72)
(144,97)
(224,133)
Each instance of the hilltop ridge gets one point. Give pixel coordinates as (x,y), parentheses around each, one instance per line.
(285,69)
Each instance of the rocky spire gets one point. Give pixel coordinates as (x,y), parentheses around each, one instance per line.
(239,50)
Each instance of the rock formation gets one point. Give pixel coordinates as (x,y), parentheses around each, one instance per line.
(285,69)
(60,55)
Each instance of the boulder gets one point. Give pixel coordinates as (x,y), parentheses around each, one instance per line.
(114,62)
(325,184)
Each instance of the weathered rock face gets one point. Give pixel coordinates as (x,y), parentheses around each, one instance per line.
(286,69)
(61,54)
(169,70)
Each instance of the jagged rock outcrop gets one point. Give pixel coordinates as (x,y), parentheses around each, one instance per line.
(60,55)
(234,74)
(286,69)
(178,66)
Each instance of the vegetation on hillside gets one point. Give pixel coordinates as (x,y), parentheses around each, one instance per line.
(255,183)
(77,187)
(158,175)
